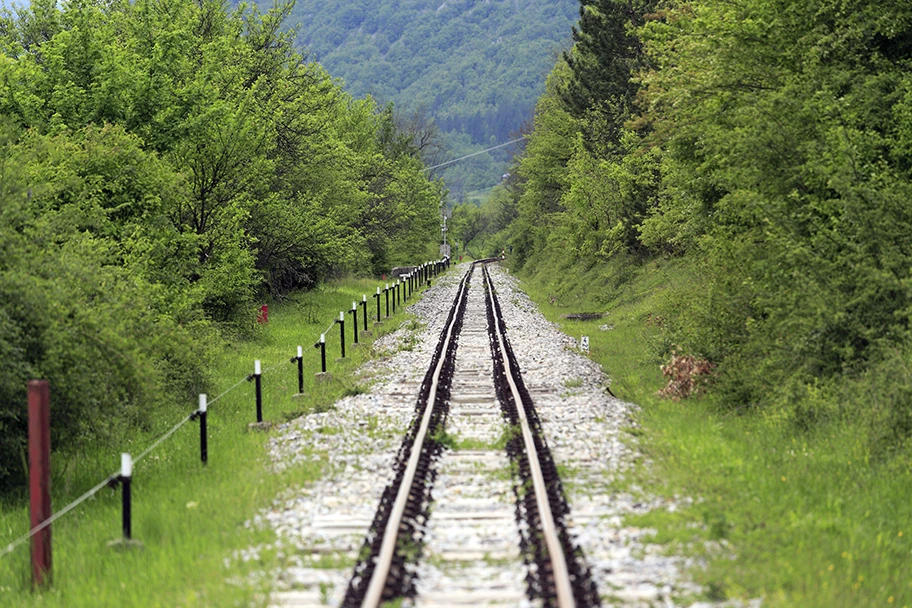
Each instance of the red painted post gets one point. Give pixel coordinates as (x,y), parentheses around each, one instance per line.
(39,426)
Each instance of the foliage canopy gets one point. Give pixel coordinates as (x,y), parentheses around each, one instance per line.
(164,164)
(766,141)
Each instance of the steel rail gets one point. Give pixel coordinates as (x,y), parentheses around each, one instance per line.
(561,573)
(374,594)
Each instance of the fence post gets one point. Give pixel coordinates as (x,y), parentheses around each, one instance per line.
(378,304)
(39,431)
(300,370)
(322,346)
(386,292)
(204,440)
(126,479)
(364,309)
(341,323)
(395,294)
(354,312)
(258,381)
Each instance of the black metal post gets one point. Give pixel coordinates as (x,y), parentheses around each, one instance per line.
(127,506)
(258,383)
(377,295)
(300,358)
(364,309)
(354,312)
(322,346)
(204,439)
(386,292)
(395,296)
(341,323)
(126,479)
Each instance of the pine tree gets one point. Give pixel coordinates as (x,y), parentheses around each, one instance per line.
(606,53)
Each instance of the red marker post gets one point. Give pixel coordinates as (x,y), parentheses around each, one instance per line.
(39,427)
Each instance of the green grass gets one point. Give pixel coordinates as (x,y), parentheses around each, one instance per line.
(190,518)
(794,517)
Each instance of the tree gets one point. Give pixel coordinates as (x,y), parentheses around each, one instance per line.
(468,223)
(606,54)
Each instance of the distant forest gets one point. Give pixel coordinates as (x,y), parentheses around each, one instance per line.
(477,67)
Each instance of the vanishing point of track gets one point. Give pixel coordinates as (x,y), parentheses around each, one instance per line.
(555,570)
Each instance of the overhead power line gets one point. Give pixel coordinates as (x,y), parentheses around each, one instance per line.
(456,160)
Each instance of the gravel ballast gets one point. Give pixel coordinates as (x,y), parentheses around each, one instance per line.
(320,527)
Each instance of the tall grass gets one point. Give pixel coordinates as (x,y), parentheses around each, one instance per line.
(189,517)
(799,516)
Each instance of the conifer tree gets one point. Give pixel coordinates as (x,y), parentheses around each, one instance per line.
(606,53)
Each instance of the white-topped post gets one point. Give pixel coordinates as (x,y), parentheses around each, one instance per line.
(204,441)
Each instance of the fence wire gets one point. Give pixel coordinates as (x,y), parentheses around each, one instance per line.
(102,484)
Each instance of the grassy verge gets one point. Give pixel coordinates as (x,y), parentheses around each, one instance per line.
(190,518)
(798,518)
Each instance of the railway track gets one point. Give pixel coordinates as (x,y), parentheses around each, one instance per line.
(498,497)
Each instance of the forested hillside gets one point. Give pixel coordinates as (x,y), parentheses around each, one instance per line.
(164,164)
(731,184)
(476,67)
(768,144)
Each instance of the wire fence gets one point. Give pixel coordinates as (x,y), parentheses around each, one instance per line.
(420,275)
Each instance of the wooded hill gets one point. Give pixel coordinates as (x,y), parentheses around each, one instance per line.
(165,165)
(767,143)
(476,67)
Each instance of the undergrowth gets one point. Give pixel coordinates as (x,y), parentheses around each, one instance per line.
(799,511)
(189,517)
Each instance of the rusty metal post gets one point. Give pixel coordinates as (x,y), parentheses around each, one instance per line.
(39,431)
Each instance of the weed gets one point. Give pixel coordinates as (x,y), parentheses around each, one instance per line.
(573,383)
(355,389)
(325,591)
(507,434)
(471,443)
(444,439)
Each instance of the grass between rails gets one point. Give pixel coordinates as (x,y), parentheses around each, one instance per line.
(798,518)
(190,518)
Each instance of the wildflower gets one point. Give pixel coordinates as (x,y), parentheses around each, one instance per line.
(831,567)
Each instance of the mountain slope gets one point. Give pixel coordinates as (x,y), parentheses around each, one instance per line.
(477,65)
